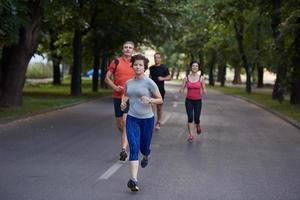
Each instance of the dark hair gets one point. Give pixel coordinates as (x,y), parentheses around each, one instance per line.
(194,61)
(140,57)
(157,53)
(199,66)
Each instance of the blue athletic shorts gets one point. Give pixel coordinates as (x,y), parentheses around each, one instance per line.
(117,106)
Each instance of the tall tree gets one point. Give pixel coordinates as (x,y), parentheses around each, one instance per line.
(278,90)
(16,55)
(290,29)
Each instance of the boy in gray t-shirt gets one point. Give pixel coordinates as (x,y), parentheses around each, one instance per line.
(140,91)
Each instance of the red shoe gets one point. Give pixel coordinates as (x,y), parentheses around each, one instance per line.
(157,126)
(190,139)
(198,128)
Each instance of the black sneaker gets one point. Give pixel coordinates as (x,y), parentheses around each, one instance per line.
(144,162)
(133,185)
(123,155)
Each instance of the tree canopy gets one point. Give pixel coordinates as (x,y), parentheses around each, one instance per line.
(245,36)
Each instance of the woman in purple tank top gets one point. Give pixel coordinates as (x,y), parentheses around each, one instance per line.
(195,85)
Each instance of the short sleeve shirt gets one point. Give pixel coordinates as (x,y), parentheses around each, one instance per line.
(123,73)
(155,72)
(135,89)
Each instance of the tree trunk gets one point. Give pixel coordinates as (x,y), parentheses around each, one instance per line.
(211,65)
(260,69)
(295,90)
(96,64)
(295,85)
(223,73)
(56,60)
(219,73)
(237,75)
(187,70)
(15,59)
(77,68)
(104,65)
(253,68)
(173,72)
(201,59)
(177,74)
(260,76)
(278,90)
(239,33)
(56,69)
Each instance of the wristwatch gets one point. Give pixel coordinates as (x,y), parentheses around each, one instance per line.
(150,100)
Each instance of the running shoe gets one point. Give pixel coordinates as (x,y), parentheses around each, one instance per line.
(198,128)
(144,162)
(133,185)
(190,139)
(157,126)
(123,155)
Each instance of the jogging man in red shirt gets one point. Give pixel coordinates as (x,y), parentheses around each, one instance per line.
(119,71)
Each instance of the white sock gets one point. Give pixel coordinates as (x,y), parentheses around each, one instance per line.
(133,168)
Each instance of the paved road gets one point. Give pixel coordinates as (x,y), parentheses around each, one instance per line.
(244,153)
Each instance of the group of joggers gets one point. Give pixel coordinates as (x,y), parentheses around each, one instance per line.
(136,122)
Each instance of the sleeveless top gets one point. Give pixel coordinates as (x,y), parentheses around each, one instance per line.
(194,89)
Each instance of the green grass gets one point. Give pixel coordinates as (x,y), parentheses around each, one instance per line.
(39,97)
(264,97)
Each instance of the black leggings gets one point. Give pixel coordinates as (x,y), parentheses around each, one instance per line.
(193,108)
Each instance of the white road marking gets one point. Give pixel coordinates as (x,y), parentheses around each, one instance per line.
(111,170)
(175,103)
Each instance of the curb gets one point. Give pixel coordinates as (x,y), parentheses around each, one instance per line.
(283,117)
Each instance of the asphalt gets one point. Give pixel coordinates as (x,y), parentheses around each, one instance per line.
(244,152)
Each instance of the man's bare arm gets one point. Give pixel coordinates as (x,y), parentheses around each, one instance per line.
(110,83)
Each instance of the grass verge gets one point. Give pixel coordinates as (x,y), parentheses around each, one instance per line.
(264,97)
(40,97)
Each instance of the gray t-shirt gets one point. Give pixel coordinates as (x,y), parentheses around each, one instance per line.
(135,89)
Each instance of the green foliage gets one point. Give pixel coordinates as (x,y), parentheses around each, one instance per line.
(13,15)
(290,25)
(180,30)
